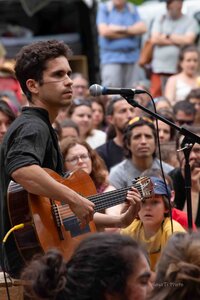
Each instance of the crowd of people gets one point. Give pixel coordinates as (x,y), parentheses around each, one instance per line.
(49,120)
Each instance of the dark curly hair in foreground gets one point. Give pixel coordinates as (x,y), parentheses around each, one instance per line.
(100,265)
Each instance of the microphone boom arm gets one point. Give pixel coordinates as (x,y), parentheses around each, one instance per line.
(195,138)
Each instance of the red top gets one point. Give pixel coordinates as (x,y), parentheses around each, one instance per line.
(181,217)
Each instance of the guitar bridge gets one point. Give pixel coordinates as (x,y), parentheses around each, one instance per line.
(144,186)
(57,220)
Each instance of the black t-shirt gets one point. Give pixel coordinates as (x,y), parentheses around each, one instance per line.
(180,194)
(111,153)
(30,140)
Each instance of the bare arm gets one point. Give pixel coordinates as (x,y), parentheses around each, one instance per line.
(161,39)
(37,181)
(121,220)
(170,89)
(112,31)
(138,28)
(172,39)
(185,39)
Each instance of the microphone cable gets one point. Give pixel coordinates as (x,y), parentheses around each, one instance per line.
(14,228)
(160,159)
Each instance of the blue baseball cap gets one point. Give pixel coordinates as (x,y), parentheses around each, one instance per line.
(159,187)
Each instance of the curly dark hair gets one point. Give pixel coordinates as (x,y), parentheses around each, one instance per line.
(32,59)
(45,276)
(100,265)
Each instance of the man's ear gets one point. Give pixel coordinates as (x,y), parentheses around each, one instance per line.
(172,196)
(32,86)
(109,119)
(166,211)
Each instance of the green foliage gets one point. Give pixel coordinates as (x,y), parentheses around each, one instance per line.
(137,2)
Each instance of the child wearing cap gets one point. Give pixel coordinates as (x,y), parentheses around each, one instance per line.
(153,227)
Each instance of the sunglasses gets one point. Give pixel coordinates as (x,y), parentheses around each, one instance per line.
(137,119)
(184,122)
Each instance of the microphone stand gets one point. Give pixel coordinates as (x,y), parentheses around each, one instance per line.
(189,140)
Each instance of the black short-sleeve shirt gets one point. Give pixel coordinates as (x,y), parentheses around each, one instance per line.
(180,193)
(111,153)
(30,140)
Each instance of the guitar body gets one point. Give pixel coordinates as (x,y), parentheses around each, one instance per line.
(41,232)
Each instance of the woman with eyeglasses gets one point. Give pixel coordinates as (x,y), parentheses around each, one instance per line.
(79,155)
(80,112)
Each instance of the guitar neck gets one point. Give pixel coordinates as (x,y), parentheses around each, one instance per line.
(109,199)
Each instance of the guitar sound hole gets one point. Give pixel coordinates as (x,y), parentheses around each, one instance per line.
(71,224)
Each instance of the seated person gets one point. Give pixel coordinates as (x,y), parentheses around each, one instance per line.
(153,227)
(79,155)
(104,266)
(177,273)
(177,214)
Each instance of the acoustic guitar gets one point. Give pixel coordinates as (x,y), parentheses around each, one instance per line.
(50,223)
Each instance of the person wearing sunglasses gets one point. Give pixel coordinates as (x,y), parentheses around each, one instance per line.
(184,113)
(140,152)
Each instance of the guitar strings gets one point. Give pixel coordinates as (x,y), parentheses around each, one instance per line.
(101,199)
(65,211)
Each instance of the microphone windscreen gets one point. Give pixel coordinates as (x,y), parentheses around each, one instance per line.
(95,90)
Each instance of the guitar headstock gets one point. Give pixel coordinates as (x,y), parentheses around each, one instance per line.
(144,185)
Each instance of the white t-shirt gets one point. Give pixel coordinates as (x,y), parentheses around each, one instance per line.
(96,138)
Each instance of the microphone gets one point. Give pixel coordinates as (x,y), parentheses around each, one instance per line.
(98,90)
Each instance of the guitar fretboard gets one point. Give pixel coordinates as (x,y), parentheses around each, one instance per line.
(109,199)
